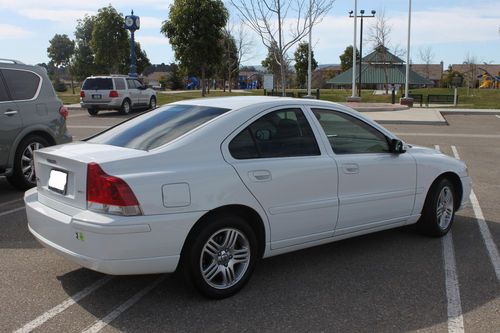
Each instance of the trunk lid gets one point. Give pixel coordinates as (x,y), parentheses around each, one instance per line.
(61,171)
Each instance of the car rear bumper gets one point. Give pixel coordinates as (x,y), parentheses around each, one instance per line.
(115,103)
(111,244)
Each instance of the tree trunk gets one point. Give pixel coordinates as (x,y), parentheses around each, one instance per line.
(203,86)
(72,85)
(229,80)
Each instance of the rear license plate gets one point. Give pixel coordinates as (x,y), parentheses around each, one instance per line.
(96,96)
(58,181)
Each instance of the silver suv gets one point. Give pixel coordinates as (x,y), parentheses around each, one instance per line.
(115,92)
(31,117)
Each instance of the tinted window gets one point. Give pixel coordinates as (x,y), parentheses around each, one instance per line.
(283,133)
(131,84)
(119,84)
(95,83)
(138,83)
(349,135)
(156,128)
(22,84)
(3,91)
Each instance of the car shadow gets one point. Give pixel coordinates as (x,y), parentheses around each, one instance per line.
(387,281)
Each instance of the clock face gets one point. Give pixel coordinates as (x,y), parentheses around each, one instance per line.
(138,22)
(129,21)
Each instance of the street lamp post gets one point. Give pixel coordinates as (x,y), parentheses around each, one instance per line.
(132,23)
(309,56)
(407,100)
(361,16)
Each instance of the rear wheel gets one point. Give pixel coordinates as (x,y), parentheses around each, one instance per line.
(220,257)
(24,169)
(439,209)
(92,112)
(126,107)
(152,103)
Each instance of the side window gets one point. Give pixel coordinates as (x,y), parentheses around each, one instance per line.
(3,92)
(138,83)
(283,133)
(22,85)
(130,84)
(349,135)
(119,84)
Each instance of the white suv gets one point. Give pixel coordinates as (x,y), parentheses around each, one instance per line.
(114,92)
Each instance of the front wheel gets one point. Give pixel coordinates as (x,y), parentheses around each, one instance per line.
(439,210)
(221,256)
(152,103)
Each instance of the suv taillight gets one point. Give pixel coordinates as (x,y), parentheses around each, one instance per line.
(113,93)
(82,93)
(63,111)
(109,194)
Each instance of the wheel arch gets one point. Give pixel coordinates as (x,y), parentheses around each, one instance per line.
(44,133)
(250,215)
(457,186)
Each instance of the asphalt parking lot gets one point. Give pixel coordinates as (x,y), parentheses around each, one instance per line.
(390,281)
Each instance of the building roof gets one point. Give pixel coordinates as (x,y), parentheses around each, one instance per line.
(375,74)
(431,71)
(492,69)
(381,55)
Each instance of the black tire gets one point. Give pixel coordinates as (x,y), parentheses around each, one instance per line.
(152,103)
(126,107)
(93,112)
(430,223)
(19,179)
(195,257)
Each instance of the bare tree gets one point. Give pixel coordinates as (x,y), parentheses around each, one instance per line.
(244,46)
(269,19)
(379,36)
(470,73)
(427,57)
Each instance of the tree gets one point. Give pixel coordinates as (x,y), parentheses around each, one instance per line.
(301,57)
(83,60)
(174,79)
(269,17)
(427,57)
(272,65)
(236,50)
(379,34)
(346,58)
(195,31)
(470,74)
(109,41)
(60,50)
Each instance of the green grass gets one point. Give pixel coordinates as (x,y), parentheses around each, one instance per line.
(476,98)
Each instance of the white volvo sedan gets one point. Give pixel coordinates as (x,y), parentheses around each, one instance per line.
(213,185)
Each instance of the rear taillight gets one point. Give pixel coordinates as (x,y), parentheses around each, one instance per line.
(82,93)
(109,194)
(113,93)
(63,111)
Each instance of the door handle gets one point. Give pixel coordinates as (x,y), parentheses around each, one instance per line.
(260,175)
(350,168)
(10,112)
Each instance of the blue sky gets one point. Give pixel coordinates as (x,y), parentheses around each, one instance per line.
(452,29)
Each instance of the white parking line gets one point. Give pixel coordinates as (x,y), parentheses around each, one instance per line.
(63,306)
(454,306)
(10,202)
(89,127)
(11,211)
(497,116)
(100,324)
(453,135)
(483,227)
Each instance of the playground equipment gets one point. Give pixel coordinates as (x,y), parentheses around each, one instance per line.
(193,83)
(489,81)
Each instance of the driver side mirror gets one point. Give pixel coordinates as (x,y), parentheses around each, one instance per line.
(397,146)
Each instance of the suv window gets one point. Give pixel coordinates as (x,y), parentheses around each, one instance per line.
(98,83)
(349,135)
(3,91)
(119,84)
(156,128)
(23,85)
(131,83)
(283,133)
(138,83)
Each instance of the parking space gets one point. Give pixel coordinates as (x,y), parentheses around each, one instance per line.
(389,281)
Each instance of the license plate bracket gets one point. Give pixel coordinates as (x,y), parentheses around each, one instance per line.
(96,96)
(58,181)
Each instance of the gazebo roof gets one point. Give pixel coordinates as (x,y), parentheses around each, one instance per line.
(381,55)
(376,74)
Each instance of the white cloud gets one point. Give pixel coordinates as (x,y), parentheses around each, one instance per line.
(8,31)
(148,22)
(151,40)
(59,16)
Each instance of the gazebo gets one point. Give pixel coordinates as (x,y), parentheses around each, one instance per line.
(379,68)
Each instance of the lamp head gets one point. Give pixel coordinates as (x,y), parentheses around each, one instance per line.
(362,11)
(351,12)
(373,12)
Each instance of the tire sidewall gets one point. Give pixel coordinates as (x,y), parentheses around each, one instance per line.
(152,103)
(17,179)
(430,221)
(123,109)
(196,243)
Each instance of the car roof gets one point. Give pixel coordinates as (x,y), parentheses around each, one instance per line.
(238,102)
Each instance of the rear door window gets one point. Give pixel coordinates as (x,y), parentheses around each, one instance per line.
(95,83)
(4,96)
(156,128)
(23,85)
(131,84)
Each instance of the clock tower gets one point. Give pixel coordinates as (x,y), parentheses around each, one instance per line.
(132,23)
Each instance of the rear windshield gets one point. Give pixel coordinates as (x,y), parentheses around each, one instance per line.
(158,127)
(98,84)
